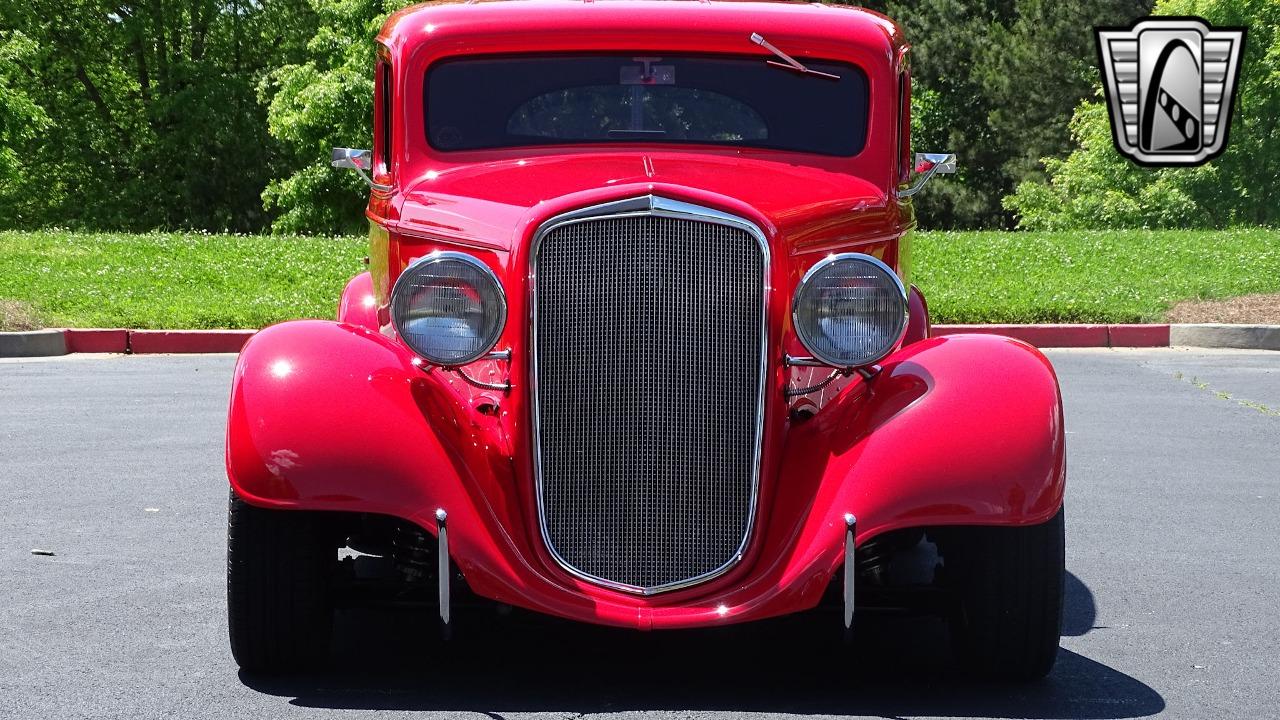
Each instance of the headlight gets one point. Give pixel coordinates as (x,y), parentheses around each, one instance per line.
(448,307)
(850,310)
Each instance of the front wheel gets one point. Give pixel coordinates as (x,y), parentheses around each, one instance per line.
(280,567)
(1009,585)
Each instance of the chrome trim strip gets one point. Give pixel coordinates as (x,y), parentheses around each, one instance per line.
(661,207)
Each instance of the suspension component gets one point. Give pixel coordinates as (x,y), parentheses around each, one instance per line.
(412,552)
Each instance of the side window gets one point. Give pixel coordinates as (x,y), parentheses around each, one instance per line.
(904,125)
(382,121)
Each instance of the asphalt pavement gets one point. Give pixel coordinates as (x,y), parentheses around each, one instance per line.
(114,464)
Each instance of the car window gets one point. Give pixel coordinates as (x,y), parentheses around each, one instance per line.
(384,132)
(482,103)
(599,112)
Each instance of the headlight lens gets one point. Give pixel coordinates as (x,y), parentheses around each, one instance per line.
(850,310)
(449,308)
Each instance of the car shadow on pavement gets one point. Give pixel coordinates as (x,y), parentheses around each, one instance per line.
(524,663)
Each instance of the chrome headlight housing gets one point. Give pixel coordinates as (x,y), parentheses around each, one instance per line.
(850,310)
(449,308)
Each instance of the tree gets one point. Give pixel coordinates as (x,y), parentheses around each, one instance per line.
(152,116)
(21,119)
(1096,187)
(1002,76)
(321,103)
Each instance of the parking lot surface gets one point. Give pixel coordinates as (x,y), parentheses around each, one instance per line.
(114,464)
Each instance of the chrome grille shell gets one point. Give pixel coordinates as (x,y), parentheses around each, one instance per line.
(631,540)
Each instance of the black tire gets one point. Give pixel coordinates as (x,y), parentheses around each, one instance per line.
(279,588)
(1009,586)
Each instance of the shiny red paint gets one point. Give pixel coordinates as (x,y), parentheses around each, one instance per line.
(918,326)
(358,304)
(930,442)
(341,416)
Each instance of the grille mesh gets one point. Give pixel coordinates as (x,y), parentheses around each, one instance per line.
(648,377)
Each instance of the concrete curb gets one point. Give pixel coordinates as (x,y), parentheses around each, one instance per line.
(46,343)
(33,343)
(1255,337)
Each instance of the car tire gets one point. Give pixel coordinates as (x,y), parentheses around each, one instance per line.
(279,588)
(1009,583)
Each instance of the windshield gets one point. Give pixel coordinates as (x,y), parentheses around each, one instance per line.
(474,104)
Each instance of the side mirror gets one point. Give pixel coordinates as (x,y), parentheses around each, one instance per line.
(359,160)
(928,165)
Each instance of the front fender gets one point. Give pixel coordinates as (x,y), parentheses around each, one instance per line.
(358,304)
(331,416)
(958,430)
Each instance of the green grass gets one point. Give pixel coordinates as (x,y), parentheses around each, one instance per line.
(175,280)
(1114,276)
(192,280)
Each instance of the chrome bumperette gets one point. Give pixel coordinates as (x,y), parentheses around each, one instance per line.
(444,574)
(850,568)
(673,527)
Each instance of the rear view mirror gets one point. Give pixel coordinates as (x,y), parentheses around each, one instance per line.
(927,165)
(359,160)
(352,159)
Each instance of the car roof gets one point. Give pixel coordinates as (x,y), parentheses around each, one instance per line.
(503,25)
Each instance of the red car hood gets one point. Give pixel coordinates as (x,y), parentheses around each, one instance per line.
(485,203)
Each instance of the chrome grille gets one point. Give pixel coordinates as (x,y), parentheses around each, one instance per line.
(649,384)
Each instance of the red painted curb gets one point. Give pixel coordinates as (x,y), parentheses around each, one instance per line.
(115,340)
(97,340)
(188,341)
(1139,335)
(1044,336)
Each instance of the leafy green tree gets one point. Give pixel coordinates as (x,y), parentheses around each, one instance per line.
(152,115)
(21,119)
(1096,187)
(1001,77)
(324,102)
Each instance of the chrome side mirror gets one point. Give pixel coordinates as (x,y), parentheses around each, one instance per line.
(359,160)
(928,165)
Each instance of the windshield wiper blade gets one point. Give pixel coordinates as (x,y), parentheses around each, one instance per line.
(788,62)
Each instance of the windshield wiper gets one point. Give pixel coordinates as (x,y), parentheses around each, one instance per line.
(789,62)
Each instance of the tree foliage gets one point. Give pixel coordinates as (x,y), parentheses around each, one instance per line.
(219,114)
(143,113)
(1096,187)
(1002,77)
(21,119)
(322,102)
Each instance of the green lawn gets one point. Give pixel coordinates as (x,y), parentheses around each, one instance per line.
(175,280)
(1095,276)
(190,280)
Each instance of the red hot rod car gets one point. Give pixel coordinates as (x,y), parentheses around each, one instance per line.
(635,349)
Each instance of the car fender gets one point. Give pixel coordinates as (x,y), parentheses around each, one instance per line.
(335,417)
(956,430)
(918,325)
(359,304)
